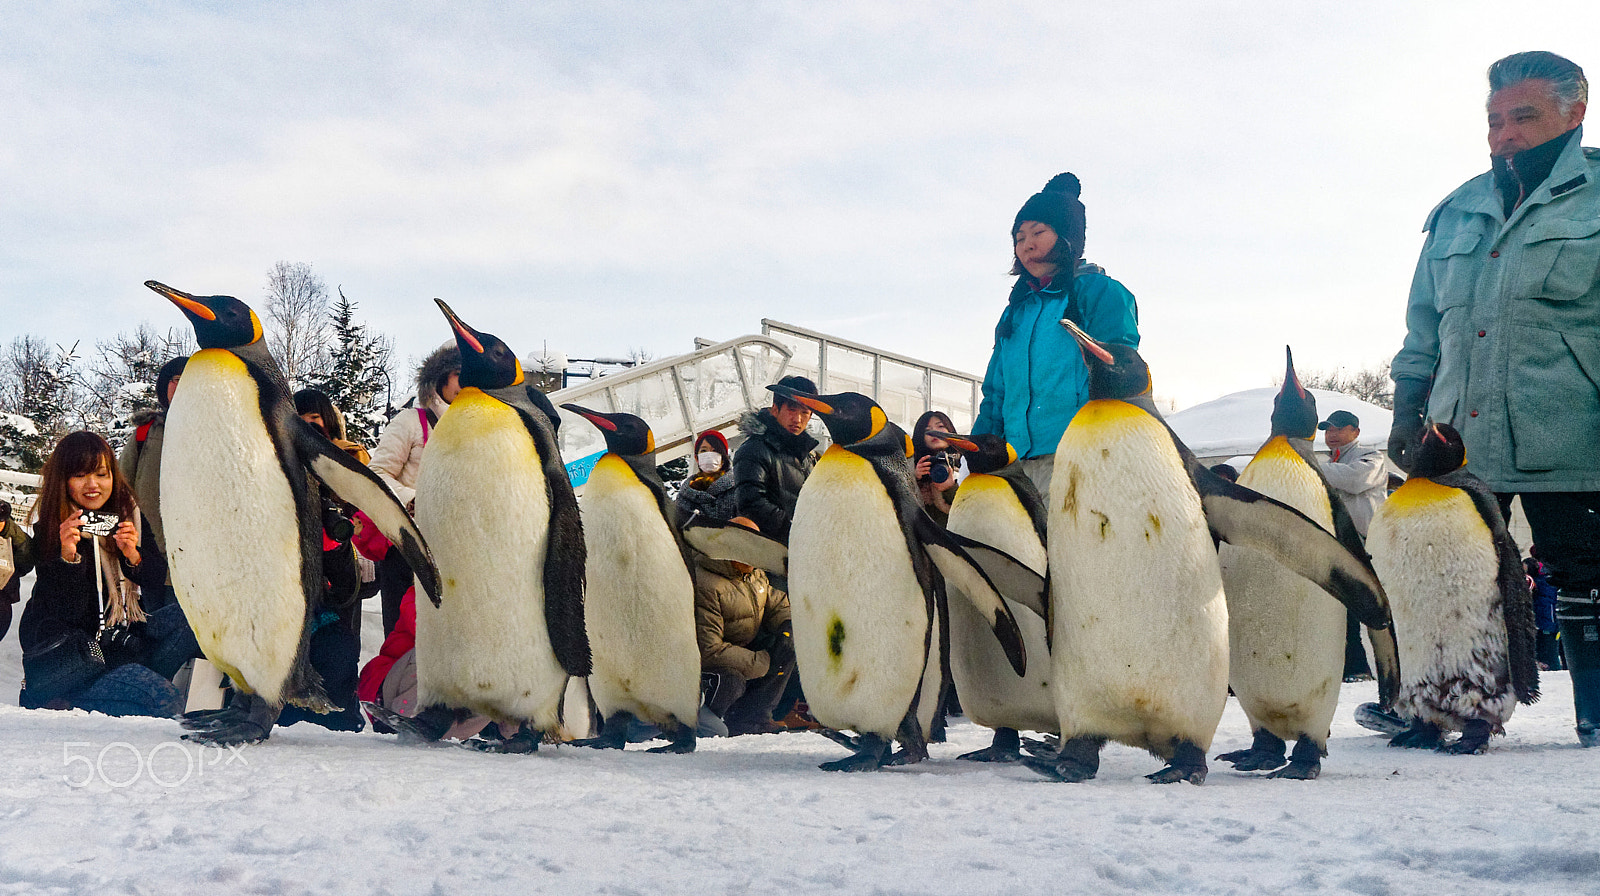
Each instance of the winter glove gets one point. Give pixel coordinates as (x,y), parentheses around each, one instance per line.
(1410,403)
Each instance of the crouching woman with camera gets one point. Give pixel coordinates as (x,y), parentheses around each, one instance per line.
(86,642)
(936,464)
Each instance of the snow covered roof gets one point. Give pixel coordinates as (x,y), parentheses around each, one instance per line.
(1239,423)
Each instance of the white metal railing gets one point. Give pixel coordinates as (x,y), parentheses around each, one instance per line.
(904,387)
(706,389)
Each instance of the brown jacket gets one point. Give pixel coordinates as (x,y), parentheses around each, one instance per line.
(730,611)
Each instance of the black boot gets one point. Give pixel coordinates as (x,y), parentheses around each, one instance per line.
(1578,615)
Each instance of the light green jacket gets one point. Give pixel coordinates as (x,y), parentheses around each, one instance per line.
(1504,316)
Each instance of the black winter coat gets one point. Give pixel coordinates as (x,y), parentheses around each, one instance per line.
(66,597)
(769,468)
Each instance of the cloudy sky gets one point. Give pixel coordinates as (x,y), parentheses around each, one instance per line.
(606,176)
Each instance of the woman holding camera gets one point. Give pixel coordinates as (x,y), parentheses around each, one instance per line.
(936,464)
(86,641)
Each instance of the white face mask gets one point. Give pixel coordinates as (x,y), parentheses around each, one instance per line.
(710,461)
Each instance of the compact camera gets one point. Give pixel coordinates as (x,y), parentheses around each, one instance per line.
(93,523)
(939,466)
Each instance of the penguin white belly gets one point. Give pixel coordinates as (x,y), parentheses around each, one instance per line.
(861,621)
(1436,559)
(483,507)
(233,532)
(1286,635)
(987,510)
(1140,623)
(639,603)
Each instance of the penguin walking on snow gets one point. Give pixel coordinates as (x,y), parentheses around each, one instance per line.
(1286,637)
(866,590)
(641,592)
(241,475)
(999,505)
(494,498)
(1461,602)
(1139,623)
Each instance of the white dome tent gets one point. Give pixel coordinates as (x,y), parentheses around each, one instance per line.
(1238,424)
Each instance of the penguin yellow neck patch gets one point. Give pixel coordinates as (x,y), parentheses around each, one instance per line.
(1420,492)
(1277,448)
(217,358)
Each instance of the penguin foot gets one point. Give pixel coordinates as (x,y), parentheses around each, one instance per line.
(1418,735)
(1588,734)
(238,734)
(1266,752)
(994,754)
(1007,747)
(219,718)
(683,741)
(426,727)
(201,718)
(1077,761)
(1048,745)
(869,756)
(526,740)
(1474,739)
(1374,717)
(839,737)
(613,735)
(904,757)
(1297,770)
(1253,760)
(1188,763)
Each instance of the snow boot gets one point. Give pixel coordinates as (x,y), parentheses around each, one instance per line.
(1578,615)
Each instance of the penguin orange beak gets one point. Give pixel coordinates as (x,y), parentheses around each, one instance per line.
(595,417)
(464,334)
(962,442)
(1289,375)
(183,300)
(1087,342)
(800,398)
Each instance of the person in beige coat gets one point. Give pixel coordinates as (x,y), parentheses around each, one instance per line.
(746,648)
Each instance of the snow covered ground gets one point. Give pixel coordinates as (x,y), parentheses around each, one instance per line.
(91,804)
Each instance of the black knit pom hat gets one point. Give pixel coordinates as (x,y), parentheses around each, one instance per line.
(1057,205)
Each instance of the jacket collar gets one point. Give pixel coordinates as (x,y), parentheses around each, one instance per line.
(1519,177)
(795,445)
(1570,172)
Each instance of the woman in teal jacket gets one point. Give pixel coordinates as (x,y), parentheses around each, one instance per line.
(1037,379)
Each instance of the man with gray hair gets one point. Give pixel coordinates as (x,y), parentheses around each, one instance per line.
(1503,337)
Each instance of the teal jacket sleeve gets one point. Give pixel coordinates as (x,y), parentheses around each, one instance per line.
(994,391)
(1110,312)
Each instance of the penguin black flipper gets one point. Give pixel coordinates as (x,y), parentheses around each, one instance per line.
(1010,576)
(1385,650)
(1028,496)
(960,570)
(566,555)
(1247,518)
(354,483)
(1516,599)
(722,540)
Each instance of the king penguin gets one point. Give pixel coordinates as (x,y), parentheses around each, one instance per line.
(240,499)
(1461,602)
(1285,636)
(1139,622)
(866,589)
(641,592)
(998,505)
(494,498)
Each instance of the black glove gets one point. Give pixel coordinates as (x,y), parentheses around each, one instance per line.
(1410,403)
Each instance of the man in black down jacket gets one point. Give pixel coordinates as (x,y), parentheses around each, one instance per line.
(774,460)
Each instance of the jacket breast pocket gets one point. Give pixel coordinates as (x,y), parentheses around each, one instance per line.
(1454,268)
(1560,259)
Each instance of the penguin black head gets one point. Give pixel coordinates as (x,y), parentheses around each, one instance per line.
(1439,451)
(626,435)
(984,453)
(1294,410)
(1115,371)
(486,362)
(850,416)
(219,321)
